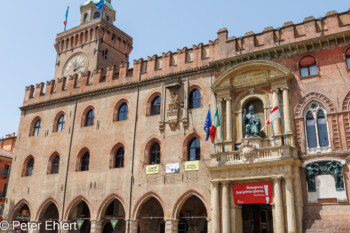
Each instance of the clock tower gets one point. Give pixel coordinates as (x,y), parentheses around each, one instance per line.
(93,45)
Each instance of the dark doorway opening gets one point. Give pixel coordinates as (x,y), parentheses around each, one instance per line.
(257,218)
(193,217)
(151,217)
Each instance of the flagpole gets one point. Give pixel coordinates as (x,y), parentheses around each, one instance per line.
(211,121)
(273,132)
(65,25)
(222,131)
(103,8)
(279,107)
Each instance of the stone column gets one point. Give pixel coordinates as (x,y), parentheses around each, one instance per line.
(215,224)
(276,123)
(133,224)
(236,215)
(171,225)
(298,198)
(236,219)
(286,111)
(228,119)
(278,203)
(291,226)
(277,128)
(96,226)
(219,129)
(225,200)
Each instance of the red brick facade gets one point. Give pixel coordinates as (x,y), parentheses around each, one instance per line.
(211,68)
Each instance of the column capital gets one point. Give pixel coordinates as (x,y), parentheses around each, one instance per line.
(172,220)
(290,177)
(285,88)
(275,91)
(214,182)
(220,100)
(225,182)
(228,99)
(276,178)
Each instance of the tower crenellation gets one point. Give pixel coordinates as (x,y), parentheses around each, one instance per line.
(291,38)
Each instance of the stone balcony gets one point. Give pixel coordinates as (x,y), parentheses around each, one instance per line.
(253,155)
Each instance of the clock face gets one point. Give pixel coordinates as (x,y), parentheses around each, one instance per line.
(76,65)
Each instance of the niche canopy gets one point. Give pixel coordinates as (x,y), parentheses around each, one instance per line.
(251,73)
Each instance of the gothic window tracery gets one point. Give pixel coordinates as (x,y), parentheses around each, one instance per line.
(316,129)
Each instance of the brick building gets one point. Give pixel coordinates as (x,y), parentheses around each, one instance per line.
(7,146)
(109,142)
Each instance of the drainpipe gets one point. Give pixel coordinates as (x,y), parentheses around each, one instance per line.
(133,156)
(320,19)
(279,36)
(68,161)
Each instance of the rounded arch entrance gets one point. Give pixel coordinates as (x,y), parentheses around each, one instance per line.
(150,216)
(80,211)
(192,215)
(112,209)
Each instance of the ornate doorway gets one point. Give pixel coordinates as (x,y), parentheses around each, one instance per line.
(257,218)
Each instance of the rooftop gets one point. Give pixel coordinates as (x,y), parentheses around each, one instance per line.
(5,153)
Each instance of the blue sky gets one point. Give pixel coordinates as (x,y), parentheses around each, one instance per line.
(29,28)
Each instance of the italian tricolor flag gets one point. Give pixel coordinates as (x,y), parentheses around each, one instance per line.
(65,20)
(215,124)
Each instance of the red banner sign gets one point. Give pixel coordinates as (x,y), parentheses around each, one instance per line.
(254,193)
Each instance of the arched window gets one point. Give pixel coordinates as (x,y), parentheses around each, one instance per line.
(107,18)
(194,150)
(123,112)
(29,167)
(347,57)
(195,99)
(37,127)
(155,106)
(154,157)
(60,123)
(90,116)
(105,54)
(119,158)
(316,129)
(97,15)
(85,162)
(308,66)
(55,164)
(85,17)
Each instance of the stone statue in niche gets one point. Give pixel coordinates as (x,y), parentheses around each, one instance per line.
(174,103)
(335,168)
(311,171)
(251,122)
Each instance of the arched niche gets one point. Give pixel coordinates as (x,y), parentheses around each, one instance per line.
(244,82)
(260,99)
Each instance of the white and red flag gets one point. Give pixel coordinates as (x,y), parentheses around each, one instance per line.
(274,114)
(215,124)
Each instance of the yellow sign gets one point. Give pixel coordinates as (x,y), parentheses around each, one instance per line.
(192,166)
(250,77)
(152,169)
